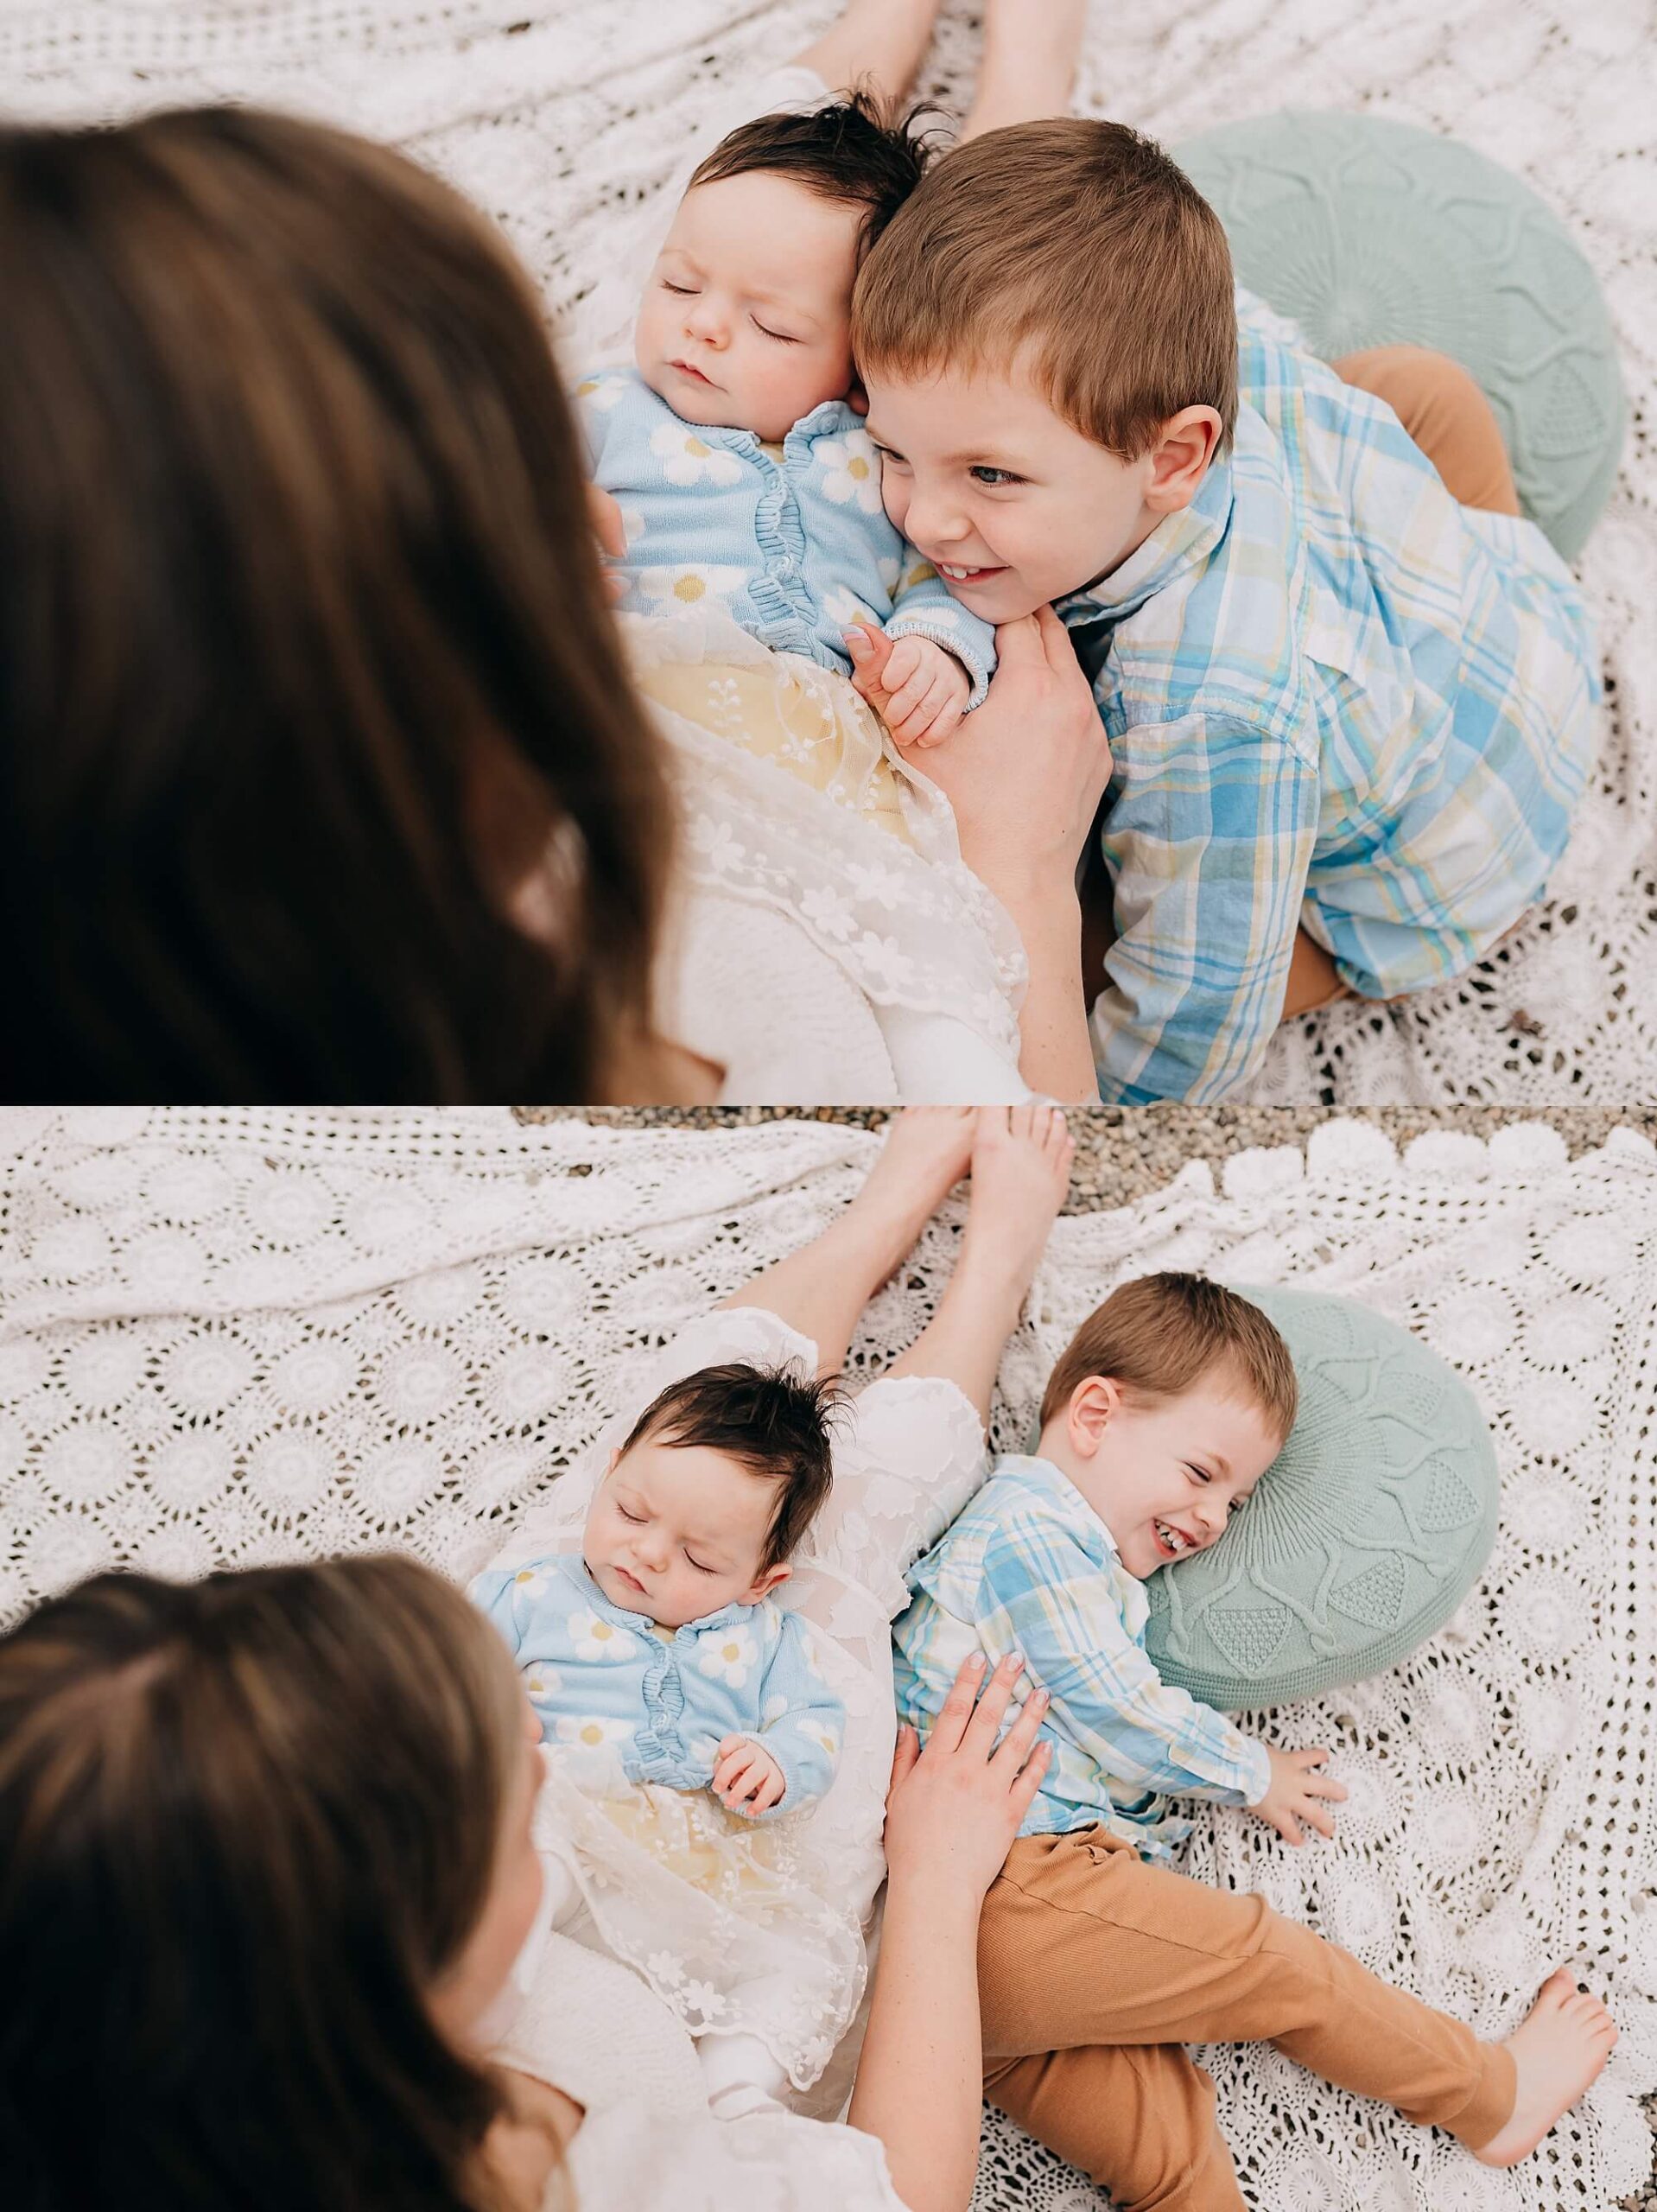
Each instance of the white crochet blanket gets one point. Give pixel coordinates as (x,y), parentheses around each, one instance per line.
(559,116)
(249,1336)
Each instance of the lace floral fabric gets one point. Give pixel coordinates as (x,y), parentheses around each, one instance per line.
(790,800)
(235,1336)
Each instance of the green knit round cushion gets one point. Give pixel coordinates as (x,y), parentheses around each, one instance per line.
(1369,232)
(1366,1533)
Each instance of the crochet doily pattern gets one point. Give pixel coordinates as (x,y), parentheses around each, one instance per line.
(232,1337)
(562,117)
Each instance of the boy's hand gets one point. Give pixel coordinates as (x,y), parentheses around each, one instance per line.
(1296,1796)
(747,1779)
(917,687)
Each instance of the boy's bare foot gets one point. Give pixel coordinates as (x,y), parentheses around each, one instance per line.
(1021,1159)
(1559,2048)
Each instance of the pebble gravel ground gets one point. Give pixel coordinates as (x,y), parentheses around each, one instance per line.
(1122,1152)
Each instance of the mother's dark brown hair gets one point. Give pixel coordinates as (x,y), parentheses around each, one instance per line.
(320,774)
(246,1826)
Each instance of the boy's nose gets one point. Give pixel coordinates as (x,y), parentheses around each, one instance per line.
(929,524)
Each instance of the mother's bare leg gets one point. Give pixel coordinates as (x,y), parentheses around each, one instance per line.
(822,1289)
(1031,53)
(1021,1159)
(874,41)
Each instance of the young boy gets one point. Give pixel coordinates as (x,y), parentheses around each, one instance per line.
(1349,701)
(1097,1963)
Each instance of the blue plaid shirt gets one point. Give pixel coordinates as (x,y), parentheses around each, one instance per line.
(1030,1566)
(1333,696)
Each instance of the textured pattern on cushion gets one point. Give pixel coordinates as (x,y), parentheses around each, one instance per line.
(1369,232)
(1365,1535)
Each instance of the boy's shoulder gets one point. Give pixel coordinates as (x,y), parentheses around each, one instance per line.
(1026,1495)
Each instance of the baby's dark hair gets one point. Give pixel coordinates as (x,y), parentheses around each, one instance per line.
(855,150)
(770,1420)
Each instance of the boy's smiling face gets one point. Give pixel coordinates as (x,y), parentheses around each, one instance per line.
(983,475)
(1164,1475)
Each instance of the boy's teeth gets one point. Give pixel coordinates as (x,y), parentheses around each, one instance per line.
(1171,1538)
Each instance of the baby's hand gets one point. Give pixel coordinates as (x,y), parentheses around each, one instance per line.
(919,689)
(747,1779)
(605,515)
(1297,1792)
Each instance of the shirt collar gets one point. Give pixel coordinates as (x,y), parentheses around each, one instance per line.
(1076,1508)
(1180,543)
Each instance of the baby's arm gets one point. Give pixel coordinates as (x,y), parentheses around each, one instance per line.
(502,1594)
(790,1760)
(922,607)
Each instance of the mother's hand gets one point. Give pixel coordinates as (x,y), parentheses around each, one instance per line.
(954,1809)
(1025,773)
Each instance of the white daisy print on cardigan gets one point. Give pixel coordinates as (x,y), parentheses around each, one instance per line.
(686,459)
(726,1654)
(850,470)
(686,587)
(595,1638)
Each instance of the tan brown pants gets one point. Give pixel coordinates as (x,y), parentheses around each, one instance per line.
(1096,1969)
(1442,408)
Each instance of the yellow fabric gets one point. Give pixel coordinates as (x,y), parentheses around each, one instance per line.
(806,720)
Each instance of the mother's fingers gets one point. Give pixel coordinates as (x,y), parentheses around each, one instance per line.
(1056,642)
(985,1725)
(956,1711)
(1014,1747)
(904,1753)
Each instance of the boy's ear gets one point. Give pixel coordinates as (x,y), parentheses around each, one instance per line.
(615,1457)
(1094,1404)
(773,1579)
(1180,459)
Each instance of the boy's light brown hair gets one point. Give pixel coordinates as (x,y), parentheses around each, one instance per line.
(1161,1335)
(1076,250)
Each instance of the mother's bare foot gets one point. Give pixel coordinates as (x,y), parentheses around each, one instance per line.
(1021,1159)
(927,1151)
(1558,2049)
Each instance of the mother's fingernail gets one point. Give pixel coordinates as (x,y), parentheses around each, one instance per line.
(977,1661)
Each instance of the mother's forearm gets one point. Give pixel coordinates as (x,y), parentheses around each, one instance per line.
(920,2079)
(1056,1055)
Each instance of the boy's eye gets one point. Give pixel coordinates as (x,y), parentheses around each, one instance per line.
(636,1517)
(1198,1474)
(698,1566)
(781,336)
(983,474)
(685,291)
(1235,1506)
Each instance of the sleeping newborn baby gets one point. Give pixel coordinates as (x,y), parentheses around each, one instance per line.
(742,475)
(688,1725)
(747,494)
